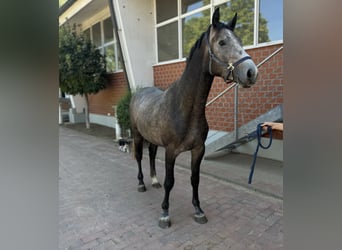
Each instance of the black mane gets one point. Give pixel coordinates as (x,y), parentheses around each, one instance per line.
(197,44)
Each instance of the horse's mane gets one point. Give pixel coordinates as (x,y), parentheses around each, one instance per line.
(199,41)
(197,44)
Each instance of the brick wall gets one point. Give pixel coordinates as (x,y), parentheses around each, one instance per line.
(267,93)
(264,95)
(102,102)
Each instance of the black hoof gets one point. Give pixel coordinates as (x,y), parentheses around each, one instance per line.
(141,188)
(200,218)
(156,185)
(164,222)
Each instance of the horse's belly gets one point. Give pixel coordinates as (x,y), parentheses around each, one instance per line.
(152,129)
(151,135)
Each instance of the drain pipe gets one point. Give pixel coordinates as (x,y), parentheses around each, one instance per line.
(116,31)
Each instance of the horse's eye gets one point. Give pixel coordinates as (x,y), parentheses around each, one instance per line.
(222,43)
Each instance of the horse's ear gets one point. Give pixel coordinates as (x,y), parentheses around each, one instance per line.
(231,24)
(216,17)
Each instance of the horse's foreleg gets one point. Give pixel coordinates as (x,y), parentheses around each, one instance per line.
(164,220)
(196,158)
(138,151)
(153,151)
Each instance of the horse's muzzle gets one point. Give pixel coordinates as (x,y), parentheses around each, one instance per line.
(247,74)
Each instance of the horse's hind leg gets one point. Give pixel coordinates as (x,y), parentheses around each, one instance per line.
(153,151)
(138,148)
(196,158)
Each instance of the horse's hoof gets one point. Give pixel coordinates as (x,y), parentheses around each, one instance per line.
(164,222)
(200,218)
(155,182)
(141,188)
(156,185)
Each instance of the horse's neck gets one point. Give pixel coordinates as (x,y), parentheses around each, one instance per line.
(194,85)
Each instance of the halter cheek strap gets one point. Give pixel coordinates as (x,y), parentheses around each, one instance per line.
(230,66)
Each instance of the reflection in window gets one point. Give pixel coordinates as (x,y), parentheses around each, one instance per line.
(108,46)
(195,16)
(97,34)
(245,18)
(166,10)
(108,30)
(119,60)
(110,58)
(190,5)
(167,42)
(193,26)
(270,21)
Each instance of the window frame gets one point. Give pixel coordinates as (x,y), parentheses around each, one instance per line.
(103,44)
(211,6)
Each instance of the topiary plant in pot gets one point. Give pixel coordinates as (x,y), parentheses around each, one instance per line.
(122,114)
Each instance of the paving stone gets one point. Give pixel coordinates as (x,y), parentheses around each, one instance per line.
(100,207)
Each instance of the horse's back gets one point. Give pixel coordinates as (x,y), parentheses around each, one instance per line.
(145,94)
(144,98)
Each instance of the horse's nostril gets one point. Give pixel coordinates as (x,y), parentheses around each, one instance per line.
(250,73)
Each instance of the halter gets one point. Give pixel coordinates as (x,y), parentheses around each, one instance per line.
(230,66)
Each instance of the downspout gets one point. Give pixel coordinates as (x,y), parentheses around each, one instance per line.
(116,31)
(115,24)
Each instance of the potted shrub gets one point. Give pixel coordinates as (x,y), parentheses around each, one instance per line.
(122,114)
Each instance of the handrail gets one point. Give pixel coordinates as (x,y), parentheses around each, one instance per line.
(270,56)
(221,94)
(234,83)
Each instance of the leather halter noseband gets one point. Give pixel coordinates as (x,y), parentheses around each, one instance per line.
(230,66)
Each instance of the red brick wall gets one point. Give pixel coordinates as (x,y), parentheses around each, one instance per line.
(264,95)
(267,93)
(102,102)
(166,74)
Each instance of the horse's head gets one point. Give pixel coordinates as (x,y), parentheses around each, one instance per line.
(227,58)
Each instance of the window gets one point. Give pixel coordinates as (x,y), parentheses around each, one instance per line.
(168,42)
(245,23)
(270,21)
(190,5)
(102,35)
(96,29)
(180,22)
(192,28)
(108,30)
(166,10)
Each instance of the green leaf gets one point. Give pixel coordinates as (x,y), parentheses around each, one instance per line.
(82,68)
(122,111)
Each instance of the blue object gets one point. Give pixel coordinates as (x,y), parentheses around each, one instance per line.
(258,133)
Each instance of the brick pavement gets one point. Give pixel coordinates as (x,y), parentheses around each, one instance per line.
(100,208)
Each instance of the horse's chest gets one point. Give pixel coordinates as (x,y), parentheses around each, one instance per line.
(197,130)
